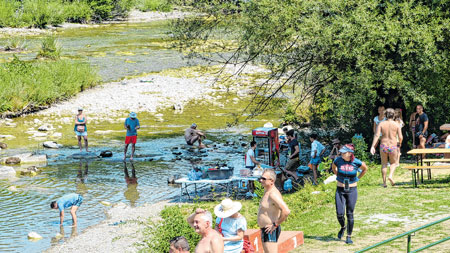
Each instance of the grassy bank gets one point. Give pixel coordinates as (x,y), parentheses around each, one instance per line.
(28,85)
(40,13)
(380,213)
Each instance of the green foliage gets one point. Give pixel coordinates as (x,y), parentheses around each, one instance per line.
(27,85)
(49,49)
(154,5)
(344,55)
(360,147)
(16,44)
(78,12)
(173,224)
(290,116)
(259,191)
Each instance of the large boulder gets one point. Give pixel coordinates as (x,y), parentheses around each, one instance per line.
(7,172)
(3,145)
(30,171)
(51,144)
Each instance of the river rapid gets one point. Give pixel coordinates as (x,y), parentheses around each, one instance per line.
(117,51)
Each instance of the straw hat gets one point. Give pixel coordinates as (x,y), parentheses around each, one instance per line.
(227,208)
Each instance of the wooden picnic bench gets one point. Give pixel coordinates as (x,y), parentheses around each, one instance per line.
(419,167)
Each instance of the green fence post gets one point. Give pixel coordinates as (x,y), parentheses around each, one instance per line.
(408,246)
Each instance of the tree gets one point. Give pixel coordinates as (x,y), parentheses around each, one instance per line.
(344,55)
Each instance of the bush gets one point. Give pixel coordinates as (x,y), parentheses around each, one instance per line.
(27,85)
(154,5)
(7,9)
(49,49)
(78,12)
(173,224)
(360,147)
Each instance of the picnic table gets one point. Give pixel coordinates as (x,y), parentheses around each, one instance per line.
(202,183)
(445,127)
(419,167)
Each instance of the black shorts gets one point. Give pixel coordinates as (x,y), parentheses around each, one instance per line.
(270,237)
(250,167)
(425,135)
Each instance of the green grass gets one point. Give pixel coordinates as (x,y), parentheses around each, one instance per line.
(26,85)
(154,5)
(380,213)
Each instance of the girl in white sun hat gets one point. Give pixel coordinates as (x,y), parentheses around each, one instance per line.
(231,224)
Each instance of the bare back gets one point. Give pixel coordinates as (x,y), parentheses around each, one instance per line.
(389,132)
(269,211)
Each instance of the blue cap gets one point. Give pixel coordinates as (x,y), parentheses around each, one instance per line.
(133,115)
(346,149)
(194,125)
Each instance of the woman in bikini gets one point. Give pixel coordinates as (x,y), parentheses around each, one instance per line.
(399,119)
(81,129)
(389,144)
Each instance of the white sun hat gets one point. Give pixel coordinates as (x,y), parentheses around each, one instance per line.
(227,208)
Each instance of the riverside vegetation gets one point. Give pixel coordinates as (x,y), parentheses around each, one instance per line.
(29,85)
(380,214)
(40,13)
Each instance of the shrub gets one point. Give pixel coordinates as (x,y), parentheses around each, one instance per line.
(154,5)
(49,48)
(78,12)
(7,9)
(360,147)
(16,44)
(173,224)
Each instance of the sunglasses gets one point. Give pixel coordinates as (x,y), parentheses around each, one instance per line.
(263,179)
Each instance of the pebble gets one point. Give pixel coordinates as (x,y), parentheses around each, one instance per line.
(34,236)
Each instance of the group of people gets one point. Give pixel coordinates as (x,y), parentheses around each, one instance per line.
(387,129)
(131,125)
(228,234)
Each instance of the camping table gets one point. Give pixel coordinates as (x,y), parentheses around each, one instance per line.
(185,183)
(419,152)
(445,127)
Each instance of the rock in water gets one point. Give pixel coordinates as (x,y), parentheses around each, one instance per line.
(51,144)
(12,160)
(7,172)
(106,153)
(3,145)
(34,159)
(34,236)
(105,203)
(12,188)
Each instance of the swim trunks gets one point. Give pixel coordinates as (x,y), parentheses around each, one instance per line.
(388,149)
(270,237)
(130,139)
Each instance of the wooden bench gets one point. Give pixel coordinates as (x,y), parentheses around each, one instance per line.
(415,170)
(436,160)
(288,240)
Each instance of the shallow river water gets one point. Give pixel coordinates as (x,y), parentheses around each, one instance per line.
(117,51)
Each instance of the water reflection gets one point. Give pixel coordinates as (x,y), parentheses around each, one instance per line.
(131,194)
(82,177)
(60,237)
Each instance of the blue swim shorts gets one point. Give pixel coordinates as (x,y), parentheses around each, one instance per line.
(315,161)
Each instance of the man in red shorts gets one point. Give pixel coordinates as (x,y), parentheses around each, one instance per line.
(132,125)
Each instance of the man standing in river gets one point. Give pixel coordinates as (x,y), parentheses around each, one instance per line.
(132,125)
(272,212)
(211,240)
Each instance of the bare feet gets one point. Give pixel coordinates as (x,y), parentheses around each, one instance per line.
(392,181)
(201,146)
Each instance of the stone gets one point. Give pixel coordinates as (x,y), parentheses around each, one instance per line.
(178,107)
(7,136)
(105,203)
(7,172)
(3,145)
(45,127)
(37,121)
(106,153)
(51,144)
(57,135)
(37,159)
(176,153)
(30,171)
(207,142)
(12,160)
(34,236)
(12,188)
(39,135)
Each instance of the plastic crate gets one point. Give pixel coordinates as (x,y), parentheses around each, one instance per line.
(220,174)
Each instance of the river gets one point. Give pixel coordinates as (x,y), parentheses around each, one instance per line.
(117,51)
